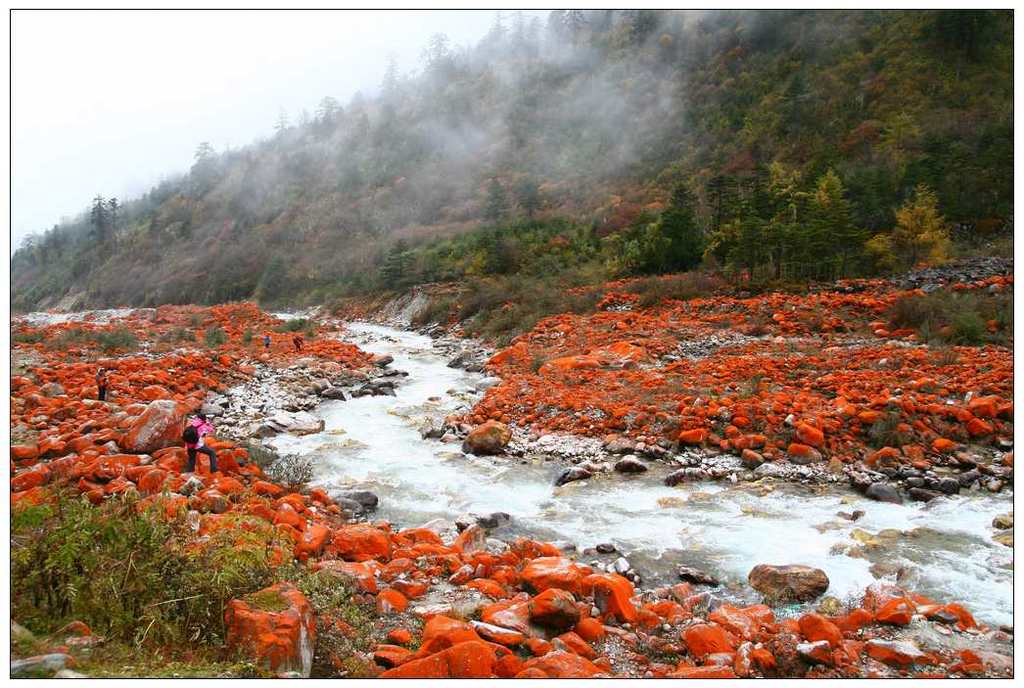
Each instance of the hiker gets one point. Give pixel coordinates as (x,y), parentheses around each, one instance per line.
(101,384)
(197,428)
(297,341)
(266,341)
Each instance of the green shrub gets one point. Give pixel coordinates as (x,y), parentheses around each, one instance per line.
(120,338)
(247,336)
(683,287)
(129,574)
(215,336)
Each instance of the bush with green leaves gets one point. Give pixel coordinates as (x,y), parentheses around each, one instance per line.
(215,336)
(130,574)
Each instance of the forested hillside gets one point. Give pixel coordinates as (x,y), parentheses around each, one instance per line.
(790,144)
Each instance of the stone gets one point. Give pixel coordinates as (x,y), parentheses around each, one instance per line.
(489,438)
(364,498)
(158,427)
(883,492)
(336,393)
(40,665)
(696,576)
(1003,521)
(894,652)
(573,474)
(788,583)
(554,609)
(630,464)
(275,626)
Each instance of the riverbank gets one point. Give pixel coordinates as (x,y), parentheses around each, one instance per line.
(418,582)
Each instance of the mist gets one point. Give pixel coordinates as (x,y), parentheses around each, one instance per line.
(112,101)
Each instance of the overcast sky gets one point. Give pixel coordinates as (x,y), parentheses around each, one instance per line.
(108,102)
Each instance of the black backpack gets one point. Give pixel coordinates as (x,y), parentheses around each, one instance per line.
(191,435)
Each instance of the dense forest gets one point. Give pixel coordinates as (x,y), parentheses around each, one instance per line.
(793,145)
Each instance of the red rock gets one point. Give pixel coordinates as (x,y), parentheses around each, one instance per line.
(314,538)
(391,655)
(943,445)
(400,636)
(743,623)
(555,609)
(976,427)
(469,659)
(808,434)
(554,572)
(275,626)
(894,653)
(590,630)
(612,595)
(702,672)
(34,477)
(578,645)
(24,452)
(704,639)
(159,426)
(360,573)
(488,438)
(898,612)
(360,543)
(694,436)
(816,627)
(818,652)
(560,664)
(498,634)
(391,601)
(441,633)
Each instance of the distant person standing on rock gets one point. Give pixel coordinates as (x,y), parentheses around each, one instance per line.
(297,341)
(266,341)
(197,429)
(101,384)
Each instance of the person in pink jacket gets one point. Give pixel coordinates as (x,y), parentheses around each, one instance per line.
(197,429)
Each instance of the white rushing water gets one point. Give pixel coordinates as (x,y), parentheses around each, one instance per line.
(373,443)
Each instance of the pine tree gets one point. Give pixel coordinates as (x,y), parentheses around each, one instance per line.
(685,241)
(497,203)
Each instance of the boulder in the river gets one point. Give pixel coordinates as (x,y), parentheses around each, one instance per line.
(383,360)
(684,475)
(489,438)
(336,393)
(493,520)
(630,464)
(1003,521)
(883,492)
(572,474)
(696,576)
(620,445)
(366,499)
(788,583)
(920,494)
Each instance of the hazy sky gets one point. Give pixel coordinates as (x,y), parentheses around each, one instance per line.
(108,102)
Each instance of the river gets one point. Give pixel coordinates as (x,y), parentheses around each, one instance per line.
(945,547)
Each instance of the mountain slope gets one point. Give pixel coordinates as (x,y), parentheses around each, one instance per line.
(587,123)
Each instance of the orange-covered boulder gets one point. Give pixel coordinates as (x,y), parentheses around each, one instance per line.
(555,609)
(470,659)
(360,543)
(705,639)
(612,595)
(275,626)
(159,426)
(816,627)
(489,438)
(559,664)
(554,572)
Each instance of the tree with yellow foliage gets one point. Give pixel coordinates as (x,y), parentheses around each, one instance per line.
(920,234)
